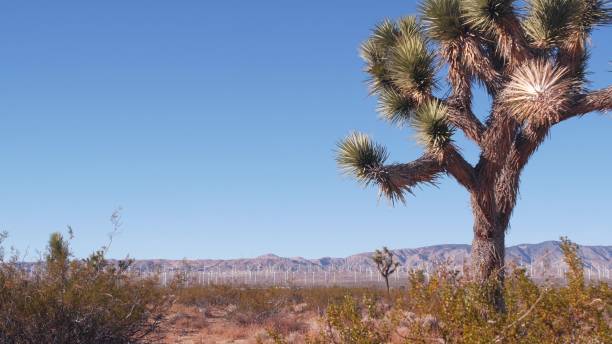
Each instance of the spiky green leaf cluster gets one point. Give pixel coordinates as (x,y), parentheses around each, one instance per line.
(593,13)
(411,67)
(386,33)
(580,71)
(375,58)
(395,107)
(410,26)
(359,156)
(442,19)
(380,52)
(375,51)
(550,21)
(432,128)
(401,67)
(484,15)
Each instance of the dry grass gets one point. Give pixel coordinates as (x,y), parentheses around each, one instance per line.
(190,324)
(242,314)
(442,309)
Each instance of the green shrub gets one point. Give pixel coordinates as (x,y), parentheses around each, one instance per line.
(351,322)
(67,300)
(447,308)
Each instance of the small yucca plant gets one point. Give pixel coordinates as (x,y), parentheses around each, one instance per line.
(533,66)
(386,265)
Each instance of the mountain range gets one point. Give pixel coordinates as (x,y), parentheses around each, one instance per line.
(543,259)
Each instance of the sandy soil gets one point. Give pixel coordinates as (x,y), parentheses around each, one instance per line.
(190,325)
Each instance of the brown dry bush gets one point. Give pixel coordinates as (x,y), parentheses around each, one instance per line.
(286,313)
(248,304)
(66,300)
(243,305)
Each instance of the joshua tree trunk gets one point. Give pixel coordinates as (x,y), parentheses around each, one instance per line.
(487,251)
(388,288)
(488,266)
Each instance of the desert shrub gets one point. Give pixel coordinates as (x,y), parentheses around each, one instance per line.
(447,308)
(241,304)
(64,300)
(287,324)
(255,307)
(353,322)
(320,298)
(207,296)
(248,304)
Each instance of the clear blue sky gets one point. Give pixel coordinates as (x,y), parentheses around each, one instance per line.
(213,125)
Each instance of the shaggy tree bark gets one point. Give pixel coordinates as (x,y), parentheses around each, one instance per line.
(533,68)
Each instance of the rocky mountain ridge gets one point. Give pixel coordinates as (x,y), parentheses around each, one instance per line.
(545,255)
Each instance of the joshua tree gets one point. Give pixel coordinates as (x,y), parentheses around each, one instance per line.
(385,264)
(532,65)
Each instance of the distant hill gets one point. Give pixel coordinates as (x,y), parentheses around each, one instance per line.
(544,259)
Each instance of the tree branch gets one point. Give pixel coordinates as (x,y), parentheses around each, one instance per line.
(458,167)
(480,64)
(499,134)
(511,42)
(528,141)
(393,180)
(396,179)
(461,116)
(599,100)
